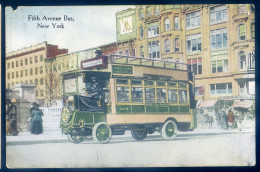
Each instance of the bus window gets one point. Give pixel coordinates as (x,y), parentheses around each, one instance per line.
(148,83)
(149,95)
(122,81)
(122,94)
(137,94)
(172,84)
(136,82)
(183,96)
(172,95)
(161,83)
(161,95)
(182,85)
(70,83)
(81,83)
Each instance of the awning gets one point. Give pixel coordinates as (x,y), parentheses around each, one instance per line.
(242,104)
(207,103)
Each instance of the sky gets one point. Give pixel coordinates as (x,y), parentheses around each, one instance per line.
(91,26)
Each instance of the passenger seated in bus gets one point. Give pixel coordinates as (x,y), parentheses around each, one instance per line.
(93,88)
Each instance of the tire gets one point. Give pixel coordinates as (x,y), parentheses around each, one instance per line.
(75,139)
(169,130)
(139,133)
(101,133)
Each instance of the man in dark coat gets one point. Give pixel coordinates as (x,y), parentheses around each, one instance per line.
(12,118)
(223,120)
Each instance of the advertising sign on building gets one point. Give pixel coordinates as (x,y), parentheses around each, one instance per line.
(126,25)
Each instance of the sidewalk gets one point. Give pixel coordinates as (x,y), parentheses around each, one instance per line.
(54,136)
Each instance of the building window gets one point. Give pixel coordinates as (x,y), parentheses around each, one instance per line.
(218,39)
(13,75)
(193,43)
(41,69)
(133,52)
(36,82)
(142,51)
(243,88)
(8,65)
(154,49)
(221,89)
(26,61)
(153,30)
(167,7)
(242,60)
(26,72)
(21,62)
(126,52)
(195,65)
(218,14)
(31,60)
(253,30)
(177,45)
(141,13)
(17,63)
(193,20)
(167,24)
(148,12)
(21,73)
(176,22)
(167,46)
(157,10)
(241,32)
(31,71)
(241,8)
(41,58)
(36,59)
(36,71)
(141,31)
(8,75)
(12,64)
(218,66)
(41,81)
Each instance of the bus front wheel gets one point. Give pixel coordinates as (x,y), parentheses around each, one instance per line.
(139,133)
(102,132)
(169,130)
(75,139)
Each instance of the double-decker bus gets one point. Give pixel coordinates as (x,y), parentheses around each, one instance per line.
(112,94)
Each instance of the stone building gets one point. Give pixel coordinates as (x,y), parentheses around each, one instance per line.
(27,66)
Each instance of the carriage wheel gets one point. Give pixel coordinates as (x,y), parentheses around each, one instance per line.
(101,132)
(169,130)
(75,139)
(139,133)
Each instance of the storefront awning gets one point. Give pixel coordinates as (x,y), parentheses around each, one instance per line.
(207,103)
(242,104)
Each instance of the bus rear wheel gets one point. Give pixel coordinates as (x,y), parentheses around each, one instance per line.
(169,130)
(102,132)
(75,139)
(139,133)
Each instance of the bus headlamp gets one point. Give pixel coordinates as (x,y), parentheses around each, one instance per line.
(65,114)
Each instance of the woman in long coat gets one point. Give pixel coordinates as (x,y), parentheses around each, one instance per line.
(36,122)
(223,120)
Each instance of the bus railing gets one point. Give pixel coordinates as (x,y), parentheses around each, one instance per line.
(122,59)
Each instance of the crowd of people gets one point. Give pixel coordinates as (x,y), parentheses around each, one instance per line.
(34,120)
(224,120)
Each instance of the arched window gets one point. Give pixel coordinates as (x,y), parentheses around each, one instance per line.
(167,45)
(141,13)
(253,30)
(157,10)
(241,32)
(177,45)
(167,24)
(176,22)
(242,60)
(148,12)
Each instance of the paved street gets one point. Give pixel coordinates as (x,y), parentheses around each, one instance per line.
(198,148)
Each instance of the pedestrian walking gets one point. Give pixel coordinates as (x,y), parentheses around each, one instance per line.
(12,119)
(231,119)
(33,106)
(210,121)
(223,120)
(36,122)
(218,118)
(205,119)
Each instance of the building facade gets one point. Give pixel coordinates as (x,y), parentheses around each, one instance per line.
(216,41)
(27,66)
